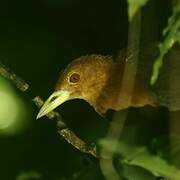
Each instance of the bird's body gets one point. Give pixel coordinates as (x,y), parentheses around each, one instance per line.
(102,87)
(97,79)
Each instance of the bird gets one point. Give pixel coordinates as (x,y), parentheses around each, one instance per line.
(97,79)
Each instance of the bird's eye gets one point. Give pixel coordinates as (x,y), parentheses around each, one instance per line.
(74,78)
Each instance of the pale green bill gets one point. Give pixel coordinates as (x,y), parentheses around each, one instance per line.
(56,99)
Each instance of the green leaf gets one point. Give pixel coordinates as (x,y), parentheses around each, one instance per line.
(133,7)
(140,156)
(154,164)
(171,35)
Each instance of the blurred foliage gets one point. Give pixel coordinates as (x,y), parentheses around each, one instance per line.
(142,157)
(171,35)
(29,176)
(134,6)
(14,111)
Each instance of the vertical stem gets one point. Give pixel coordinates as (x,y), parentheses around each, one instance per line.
(174,104)
(116,126)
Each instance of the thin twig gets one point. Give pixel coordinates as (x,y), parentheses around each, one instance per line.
(19,83)
(63,130)
(66,133)
(79,144)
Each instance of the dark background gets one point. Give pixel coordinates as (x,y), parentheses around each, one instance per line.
(40,37)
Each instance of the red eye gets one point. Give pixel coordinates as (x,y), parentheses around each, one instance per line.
(74,78)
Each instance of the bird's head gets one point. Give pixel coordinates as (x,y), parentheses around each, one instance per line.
(84,78)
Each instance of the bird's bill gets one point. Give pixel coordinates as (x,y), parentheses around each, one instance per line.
(56,99)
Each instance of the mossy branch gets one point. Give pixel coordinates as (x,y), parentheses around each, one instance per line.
(63,130)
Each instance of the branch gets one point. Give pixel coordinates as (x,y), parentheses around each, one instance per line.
(19,83)
(63,130)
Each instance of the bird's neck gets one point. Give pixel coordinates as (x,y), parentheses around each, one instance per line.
(114,96)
